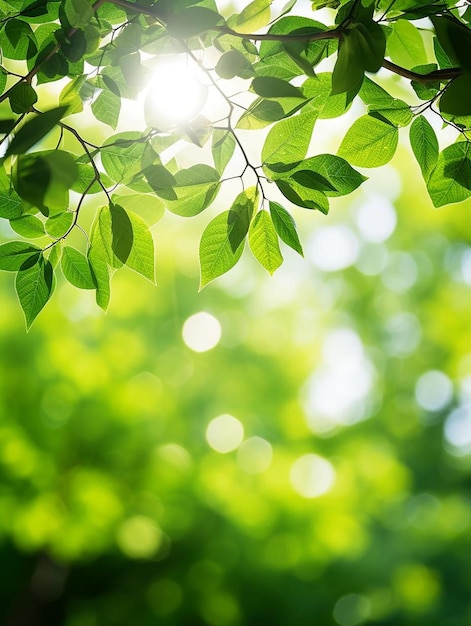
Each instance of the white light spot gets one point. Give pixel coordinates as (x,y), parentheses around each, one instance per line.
(332,248)
(387,184)
(254,455)
(458,430)
(311,476)
(201,332)
(176,94)
(376,219)
(466,266)
(224,433)
(433,390)
(400,272)
(372,259)
(338,390)
(403,334)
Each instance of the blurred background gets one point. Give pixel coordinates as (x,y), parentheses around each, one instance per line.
(289,451)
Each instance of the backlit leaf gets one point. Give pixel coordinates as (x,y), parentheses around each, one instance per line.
(285,226)
(216,253)
(254,16)
(76,268)
(424,144)
(34,130)
(34,285)
(369,142)
(14,254)
(263,241)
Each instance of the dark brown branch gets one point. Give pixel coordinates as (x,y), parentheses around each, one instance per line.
(435,76)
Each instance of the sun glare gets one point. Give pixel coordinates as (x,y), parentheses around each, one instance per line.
(176,93)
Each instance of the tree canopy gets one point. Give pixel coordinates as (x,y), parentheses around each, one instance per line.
(278,75)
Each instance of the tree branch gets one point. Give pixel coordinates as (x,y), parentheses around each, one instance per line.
(436,75)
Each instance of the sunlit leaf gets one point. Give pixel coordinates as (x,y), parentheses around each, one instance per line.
(76,268)
(253,17)
(263,241)
(216,254)
(223,146)
(285,226)
(424,145)
(34,130)
(34,285)
(15,254)
(369,142)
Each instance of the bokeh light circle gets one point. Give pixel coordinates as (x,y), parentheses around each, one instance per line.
(201,332)
(224,433)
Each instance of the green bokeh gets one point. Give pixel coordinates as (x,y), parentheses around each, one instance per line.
(114,508)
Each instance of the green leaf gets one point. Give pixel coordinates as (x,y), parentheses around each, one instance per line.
(216,253)
(268,87)
(70,95)
(318,91)
(58,225)
(328,173)
(424,144)
(18,40)
(254,16)
(362,49)
(15,254)
(223,146)
(22,97)
(192,21)
(121,233)
(239,217)
(54,255)
(195,188)
(405,45)
(147,206)
(63,174)
(455,39)
(369,142)
(121,156)
(78,12)
(233,63)
(34,287)
(100,256)
(456,100)
(28,226)
(261,112)
(312,180)
(285,226)
(282,60)
(106,108)
(380,102)
(263,241)
(288,141)
(34,130)
(161,181)
(11,205)
(86,181)
(450,181)
(141,258)
(76,269)
(303,196)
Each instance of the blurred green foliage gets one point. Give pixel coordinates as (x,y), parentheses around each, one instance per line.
(348,501)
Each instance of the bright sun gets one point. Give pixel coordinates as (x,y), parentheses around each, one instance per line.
(176,94)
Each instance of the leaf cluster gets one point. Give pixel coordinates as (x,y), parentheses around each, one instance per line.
(102,53)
